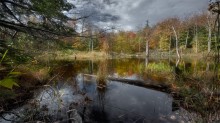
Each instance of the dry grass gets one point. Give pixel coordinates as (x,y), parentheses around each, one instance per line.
(88,55)
(72,55)
(102,74)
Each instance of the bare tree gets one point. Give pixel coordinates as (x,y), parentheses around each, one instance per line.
(187,37)
(210,32)
(148,32)
(147,47)
(196,36)
(177,46)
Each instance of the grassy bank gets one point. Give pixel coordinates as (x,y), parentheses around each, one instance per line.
(72,55)
(82,55)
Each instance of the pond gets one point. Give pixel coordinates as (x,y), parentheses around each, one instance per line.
(110,91)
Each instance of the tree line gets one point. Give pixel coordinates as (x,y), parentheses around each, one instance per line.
(195,34)
(19,28)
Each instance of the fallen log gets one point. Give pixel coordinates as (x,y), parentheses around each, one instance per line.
(141,83)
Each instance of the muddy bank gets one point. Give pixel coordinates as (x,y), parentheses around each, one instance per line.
(27,82)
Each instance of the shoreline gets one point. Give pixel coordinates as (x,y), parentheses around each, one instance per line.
(95,55)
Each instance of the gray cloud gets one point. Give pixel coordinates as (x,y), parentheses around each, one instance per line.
(128,14)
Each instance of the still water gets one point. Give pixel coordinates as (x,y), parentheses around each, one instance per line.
(75,87)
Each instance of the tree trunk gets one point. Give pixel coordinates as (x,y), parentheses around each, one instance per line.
(187,37)
(196,38)
(177,47)
(210,35)
(170,45)
(146,62)
(139,45)
(209,40)
(82,29)
(147,48)
(140,83)
(92,45)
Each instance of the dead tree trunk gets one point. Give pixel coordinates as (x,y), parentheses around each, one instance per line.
(209,35)
(196,38)
(177,47)
(170,45)
(147,37)
(139,45)
(209,40)
(187,37)
(147,48)
(214,7)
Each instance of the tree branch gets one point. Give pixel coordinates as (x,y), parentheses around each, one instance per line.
(10,12)
(24,28)
(16,4)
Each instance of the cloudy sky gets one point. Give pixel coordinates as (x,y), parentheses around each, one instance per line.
(132,14)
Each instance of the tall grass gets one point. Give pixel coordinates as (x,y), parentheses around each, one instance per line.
(159,67)
(102,74)
(3,56)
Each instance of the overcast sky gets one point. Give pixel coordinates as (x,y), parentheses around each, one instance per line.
(132,14)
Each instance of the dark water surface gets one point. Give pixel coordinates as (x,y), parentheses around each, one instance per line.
(126,103)
(76,88)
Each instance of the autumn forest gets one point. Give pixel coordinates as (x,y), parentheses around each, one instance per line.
(82,61)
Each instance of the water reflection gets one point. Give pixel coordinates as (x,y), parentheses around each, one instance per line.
(117,102)
(141,68)
(127,103)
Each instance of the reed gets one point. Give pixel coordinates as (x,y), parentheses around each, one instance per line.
(102,74)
